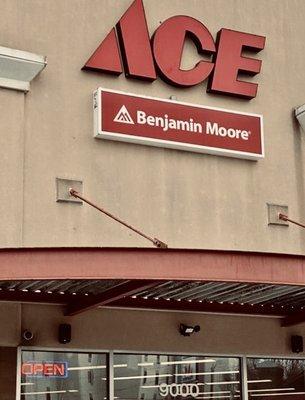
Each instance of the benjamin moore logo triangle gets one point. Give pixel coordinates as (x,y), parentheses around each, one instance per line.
(123,116)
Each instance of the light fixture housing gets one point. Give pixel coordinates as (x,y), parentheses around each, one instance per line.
(299,113)
(18,68)
(186,330)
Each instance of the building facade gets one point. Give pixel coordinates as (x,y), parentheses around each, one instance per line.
(210,193)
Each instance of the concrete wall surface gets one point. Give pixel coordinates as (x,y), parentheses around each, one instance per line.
(186,199)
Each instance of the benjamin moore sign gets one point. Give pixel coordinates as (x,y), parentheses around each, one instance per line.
(177,125)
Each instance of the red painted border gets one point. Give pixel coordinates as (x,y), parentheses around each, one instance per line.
(130,263)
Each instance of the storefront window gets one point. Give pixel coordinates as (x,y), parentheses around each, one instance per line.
(47,375)
(269,377)
(157,377)
(63,376)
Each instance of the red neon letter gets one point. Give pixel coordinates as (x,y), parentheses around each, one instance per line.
(59,369)
(168,43)
(48,369)
(27,369)
(230,62)
(38,369)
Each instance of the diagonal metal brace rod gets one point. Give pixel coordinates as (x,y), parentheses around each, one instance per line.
(156,242)
(284,217)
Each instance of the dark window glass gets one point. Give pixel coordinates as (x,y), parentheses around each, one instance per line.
(168,377)
(63,376)
(275,378)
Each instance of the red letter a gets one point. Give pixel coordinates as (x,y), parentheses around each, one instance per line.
(135,47)
(106,57)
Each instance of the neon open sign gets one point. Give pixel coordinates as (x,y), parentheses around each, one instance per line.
(44,369)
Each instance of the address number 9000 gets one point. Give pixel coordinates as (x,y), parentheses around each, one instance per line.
(183,389)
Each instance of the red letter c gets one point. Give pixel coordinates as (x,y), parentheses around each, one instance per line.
(168,42)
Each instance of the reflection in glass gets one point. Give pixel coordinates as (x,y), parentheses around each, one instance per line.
(63,376)
(275,378)
(158,377)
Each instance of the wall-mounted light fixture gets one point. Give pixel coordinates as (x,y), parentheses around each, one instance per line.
(299,113)
(186,330)
(18,68)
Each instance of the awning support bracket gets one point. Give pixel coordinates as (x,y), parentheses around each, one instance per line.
(156,242)
(285,218)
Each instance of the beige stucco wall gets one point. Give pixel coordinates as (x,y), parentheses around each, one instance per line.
(186,199)
(11,167)
(140,330)
(115,329)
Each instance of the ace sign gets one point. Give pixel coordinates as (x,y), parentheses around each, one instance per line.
(129,47)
